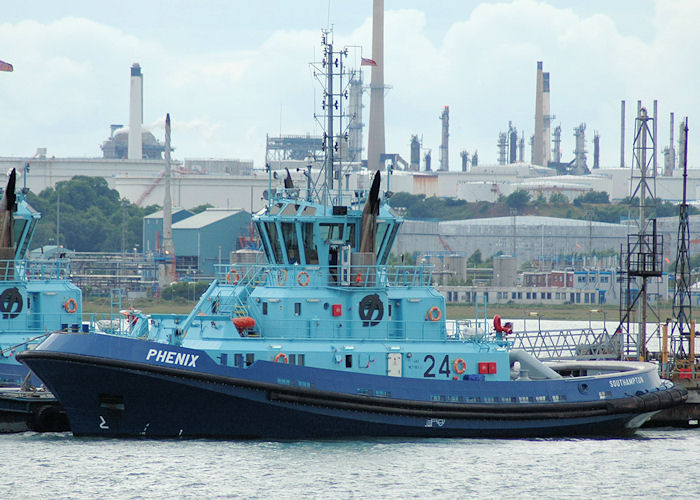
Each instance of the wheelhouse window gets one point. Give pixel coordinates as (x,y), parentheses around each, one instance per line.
(274,241)
(309,242)
(289,235)
(259,227)
(331,231)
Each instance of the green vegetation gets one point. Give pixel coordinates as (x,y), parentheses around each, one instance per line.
(595,205)
(92,216)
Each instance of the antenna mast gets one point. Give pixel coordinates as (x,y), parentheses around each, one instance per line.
(333,77)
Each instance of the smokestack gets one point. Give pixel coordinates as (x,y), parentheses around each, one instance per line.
(512,143)
(671,151)
(596,150)
(622,134)
(465,160)
(538,144)
(557,144)
(135,113)
(415,153)
(444,160)
(376,144)
(546,118)
(656,169)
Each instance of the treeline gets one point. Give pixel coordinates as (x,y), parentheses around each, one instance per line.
(91,217)
(595,205)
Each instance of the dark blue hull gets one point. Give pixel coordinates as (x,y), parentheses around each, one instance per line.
(122,395)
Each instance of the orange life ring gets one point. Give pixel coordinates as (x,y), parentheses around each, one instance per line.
(434,313)
(233,277)
(459,362)
(303,278)
(70,306)
(281,277)
(283,356)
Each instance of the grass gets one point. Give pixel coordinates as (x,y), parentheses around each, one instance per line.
(580,312)
(101,305)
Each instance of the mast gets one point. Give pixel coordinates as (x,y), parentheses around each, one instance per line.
(333,118)
(168,272)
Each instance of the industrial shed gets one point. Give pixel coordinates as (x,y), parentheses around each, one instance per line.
(206,239)
(153,228)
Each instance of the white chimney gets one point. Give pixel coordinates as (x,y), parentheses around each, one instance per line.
(376,144)
(135,113)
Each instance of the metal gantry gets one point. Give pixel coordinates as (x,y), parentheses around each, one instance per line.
(642,259)
(681,333)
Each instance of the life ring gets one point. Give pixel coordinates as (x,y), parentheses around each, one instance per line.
(460,366)
(303,278)
(497,323)
(70,306)
(434,313)
(281,277)
(282,356)
(233,277)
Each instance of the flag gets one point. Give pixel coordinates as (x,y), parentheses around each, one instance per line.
(368,62)
(6,66)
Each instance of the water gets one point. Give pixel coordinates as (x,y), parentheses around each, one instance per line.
(652,464)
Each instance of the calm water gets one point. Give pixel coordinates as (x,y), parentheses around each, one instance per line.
(653,464)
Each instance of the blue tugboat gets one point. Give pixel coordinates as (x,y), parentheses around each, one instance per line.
(36,296)
(328,340)
(329,347)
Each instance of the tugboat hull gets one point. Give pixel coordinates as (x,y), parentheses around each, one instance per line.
(125,396)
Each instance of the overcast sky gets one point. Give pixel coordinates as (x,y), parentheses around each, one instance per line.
(230,72)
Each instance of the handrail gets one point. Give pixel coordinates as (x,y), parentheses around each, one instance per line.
(29,269)
(360,275)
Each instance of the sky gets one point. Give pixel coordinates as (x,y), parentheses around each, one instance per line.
(230,72)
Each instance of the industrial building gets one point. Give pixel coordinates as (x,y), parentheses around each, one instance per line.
(527,238)
(202,241)
(153,228)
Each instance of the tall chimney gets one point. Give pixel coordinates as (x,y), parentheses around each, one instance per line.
(135,113)
(376,144)
(622,134)
(444,159)
(546,119)
(671,151)
(538,145)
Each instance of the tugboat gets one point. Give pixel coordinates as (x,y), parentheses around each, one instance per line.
(36,298)
(323,342)
(328,340)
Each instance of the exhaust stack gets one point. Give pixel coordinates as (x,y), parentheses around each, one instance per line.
(135,113)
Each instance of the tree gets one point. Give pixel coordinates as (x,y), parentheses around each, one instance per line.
(474,259)
(518,199)
(558,199)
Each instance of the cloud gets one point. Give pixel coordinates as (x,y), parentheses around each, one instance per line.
(71,80)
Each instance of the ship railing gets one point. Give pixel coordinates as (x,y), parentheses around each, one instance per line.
(349,331)
(25,269)
(355,275)
(573,343)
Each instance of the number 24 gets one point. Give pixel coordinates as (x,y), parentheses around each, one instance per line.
(444,366)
